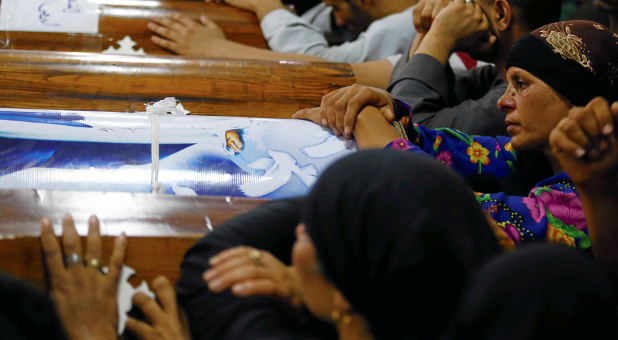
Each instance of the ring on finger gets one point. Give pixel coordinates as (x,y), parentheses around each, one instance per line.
(469,2)
(94,263)
(256,257)
(74,258)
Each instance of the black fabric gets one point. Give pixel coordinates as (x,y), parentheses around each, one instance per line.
(538,292)
(26,312)
(581,41)
(398,234)
(223,316)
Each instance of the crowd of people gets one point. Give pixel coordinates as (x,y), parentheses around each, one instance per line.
(483,203)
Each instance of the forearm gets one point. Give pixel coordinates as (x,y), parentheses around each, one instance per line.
(373,73)
(372,130)
(267,6)
(437,46)
(230,49)
(600,203)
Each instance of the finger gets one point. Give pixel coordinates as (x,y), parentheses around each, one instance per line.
(575,132)
(163,31)
(312,114)
(150,308)
(604,115)
(207,22)
(561,143)
(165,294)
(51,250)
(166,44)
(140,328)
(117,259)
(226,254)
(173,25)
(236,275)
(345,117)
(70,238)
(334,107)
(230,264)
(426,17)
(93,242)
(255,287)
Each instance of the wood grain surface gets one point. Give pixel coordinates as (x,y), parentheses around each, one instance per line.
(94,81)
(160,229)
(119,18)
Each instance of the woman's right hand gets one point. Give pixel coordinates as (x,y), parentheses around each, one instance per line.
(248,271)
(586,143)
(340,108)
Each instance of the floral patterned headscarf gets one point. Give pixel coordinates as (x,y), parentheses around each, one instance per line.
(578,59)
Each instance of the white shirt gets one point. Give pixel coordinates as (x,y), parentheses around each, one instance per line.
(384,38)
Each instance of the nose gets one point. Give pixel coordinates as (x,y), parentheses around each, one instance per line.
(506,103)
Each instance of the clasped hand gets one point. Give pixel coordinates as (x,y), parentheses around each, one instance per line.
(340,108)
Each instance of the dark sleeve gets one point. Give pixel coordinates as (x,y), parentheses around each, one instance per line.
(270,227)
(464,101)
(26,312)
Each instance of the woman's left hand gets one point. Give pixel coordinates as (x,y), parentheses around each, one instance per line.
(585,142)
(340,108)
(85,297)
(248,271)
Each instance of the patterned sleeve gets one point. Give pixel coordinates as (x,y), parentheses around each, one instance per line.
(468,155)
(552,211)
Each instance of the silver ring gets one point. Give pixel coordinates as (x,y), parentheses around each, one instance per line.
(74,259)
(469,1)
(256,257)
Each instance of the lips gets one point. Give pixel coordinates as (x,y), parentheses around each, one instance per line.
(511,126)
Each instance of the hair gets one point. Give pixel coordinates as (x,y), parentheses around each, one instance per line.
(533,14)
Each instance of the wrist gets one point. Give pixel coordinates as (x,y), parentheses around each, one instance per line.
(437,45)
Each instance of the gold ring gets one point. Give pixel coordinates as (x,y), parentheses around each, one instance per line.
(94,263)
(256,257)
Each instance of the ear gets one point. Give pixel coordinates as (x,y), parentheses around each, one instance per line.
(503,15)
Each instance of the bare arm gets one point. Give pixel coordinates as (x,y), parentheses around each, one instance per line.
(585,144)
(373,73)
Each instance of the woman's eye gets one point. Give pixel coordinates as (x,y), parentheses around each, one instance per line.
(520,84)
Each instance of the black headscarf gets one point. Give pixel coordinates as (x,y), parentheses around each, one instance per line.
(398,234)
(578,59)
(538,292)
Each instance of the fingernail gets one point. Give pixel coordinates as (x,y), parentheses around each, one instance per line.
(238,288)
(324,122)
(208,275)
(580,152)
(213,261)
(120,239)
(607,129)
(214,285)
(346,130)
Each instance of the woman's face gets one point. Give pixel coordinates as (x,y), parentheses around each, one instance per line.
(317,291)
(533,109)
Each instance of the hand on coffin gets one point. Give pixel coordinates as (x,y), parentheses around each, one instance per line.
(167,322)
(85,298)
(247,271)
(340,108)
(185,36)
(585,143)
